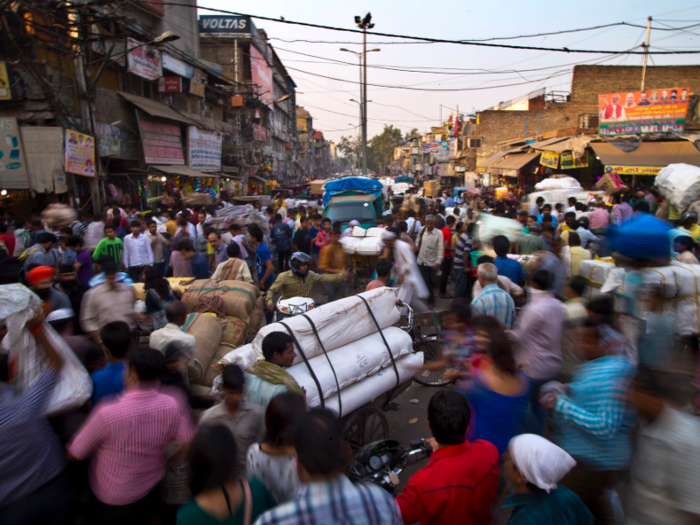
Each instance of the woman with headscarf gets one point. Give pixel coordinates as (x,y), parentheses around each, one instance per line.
(532,468)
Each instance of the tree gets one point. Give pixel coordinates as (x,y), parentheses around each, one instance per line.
(349,148)
(412,134)
(381,154)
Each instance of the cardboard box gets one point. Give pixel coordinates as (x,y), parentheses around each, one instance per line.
(431,188)
(611,183)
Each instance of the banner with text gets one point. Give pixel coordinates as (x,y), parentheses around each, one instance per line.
(650,111)
(144,61)
(549,159)
(434,146)
(44,150)
(204,149)
(79,153)
(13,167)
(161,140)
(569,161)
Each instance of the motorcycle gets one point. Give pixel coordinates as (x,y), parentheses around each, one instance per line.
(381,462)
(293,306)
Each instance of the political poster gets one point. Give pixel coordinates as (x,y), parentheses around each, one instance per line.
(549,159)
(638,112)
(13,166)
(144,61)
(204,149)
(79,153)
(569,161)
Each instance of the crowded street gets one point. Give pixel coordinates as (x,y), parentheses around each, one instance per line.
(221,305)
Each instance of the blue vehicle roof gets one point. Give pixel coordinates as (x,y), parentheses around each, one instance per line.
(371,186)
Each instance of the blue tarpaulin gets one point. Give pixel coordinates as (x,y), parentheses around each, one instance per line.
(371,186)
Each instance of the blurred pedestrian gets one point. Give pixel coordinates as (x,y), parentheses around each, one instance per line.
(137,252)
(492,301)
(507,267)
(431,251)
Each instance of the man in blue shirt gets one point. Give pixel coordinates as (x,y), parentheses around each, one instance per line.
(263,259)
(507,267)
(116,340)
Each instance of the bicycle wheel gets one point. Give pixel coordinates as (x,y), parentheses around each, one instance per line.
(431,351)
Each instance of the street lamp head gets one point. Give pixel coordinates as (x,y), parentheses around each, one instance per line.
(370,26)
(375,49)
(283,98)
(358,20)
(368,18)
(168,36)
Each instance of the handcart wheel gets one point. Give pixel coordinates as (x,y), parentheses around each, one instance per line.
(430,347)
(365,425)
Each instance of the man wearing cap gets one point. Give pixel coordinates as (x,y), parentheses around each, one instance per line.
(532,467)
(431,250)
(40,281)
(690,223)
(109,302)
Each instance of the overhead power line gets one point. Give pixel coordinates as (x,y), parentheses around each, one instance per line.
(439,40)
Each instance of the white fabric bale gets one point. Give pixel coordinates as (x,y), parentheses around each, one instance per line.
(358,231)
(490,226)
(687,303)
(558,183)
(351,363)
(680,184)
(370,246)
(595,272)
(551,196)
(350,244)
(338,323)
(244,356)
(366,391)
(375,232)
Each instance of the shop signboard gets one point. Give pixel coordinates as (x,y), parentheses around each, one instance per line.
(170,84)
(13,167)
(204,149)
(443,130)
(259,133)
(453,143)
(569,161)
(43,147)
(225,26)
(161,140)
(650,111)
(633,170)
(429,147)
(262,75)
(549,159)
(144,61)
(177,66)
(5,92)
(79,153)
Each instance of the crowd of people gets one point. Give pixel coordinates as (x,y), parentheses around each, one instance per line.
(554,415)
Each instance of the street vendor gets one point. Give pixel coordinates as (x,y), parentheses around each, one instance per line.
(299,281)
(268,378)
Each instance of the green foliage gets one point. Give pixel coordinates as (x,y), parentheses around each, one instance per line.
(380,151)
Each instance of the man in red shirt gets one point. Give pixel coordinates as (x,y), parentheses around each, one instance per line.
(460,482)
(447,260)
(9,240)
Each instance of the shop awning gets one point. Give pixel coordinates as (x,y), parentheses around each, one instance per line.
(184,171)
(515,162)
(155,109)
(648,154)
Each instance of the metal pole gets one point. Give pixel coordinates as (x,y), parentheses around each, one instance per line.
(235,64)
(364,101)
(360,152)
(646,51)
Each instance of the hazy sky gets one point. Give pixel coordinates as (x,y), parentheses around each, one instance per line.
(470,67)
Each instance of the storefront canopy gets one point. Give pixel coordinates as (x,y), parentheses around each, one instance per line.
(155,109)
(184,171)
(651,154)
(515,162)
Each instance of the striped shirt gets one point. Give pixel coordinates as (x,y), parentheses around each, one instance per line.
(336,502)
(495,302)
(594,420)
(127,439)
(464,243)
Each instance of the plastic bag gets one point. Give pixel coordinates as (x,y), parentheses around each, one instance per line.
(27,361)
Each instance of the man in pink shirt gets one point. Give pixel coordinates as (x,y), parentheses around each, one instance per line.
(126,440)
(599,219)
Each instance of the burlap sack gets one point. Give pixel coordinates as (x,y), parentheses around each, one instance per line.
(177,284)
(238,297)
(257,316)
(234,331)
(207,331)
(214,369)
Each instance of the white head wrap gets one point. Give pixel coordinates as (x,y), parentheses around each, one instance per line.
(540,461)
(58,315)
(354,222)
(388,236)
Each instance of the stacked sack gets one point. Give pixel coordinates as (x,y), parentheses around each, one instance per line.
(596,273)
(364,242)
(222,315)
(357,366)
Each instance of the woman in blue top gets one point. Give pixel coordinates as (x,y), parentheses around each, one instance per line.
(495,389)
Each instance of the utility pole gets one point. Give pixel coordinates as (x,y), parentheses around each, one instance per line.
(646,52)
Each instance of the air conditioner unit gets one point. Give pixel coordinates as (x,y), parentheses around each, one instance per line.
(473,143)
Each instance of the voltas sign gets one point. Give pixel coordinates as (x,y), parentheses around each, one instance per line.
(231,26)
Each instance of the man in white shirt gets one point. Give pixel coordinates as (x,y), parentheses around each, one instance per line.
(137,252)
(413,224)
(431,250)
(176,314)
(95,232)
(158,242)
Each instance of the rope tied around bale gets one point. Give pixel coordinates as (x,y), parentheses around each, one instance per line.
(210,301)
